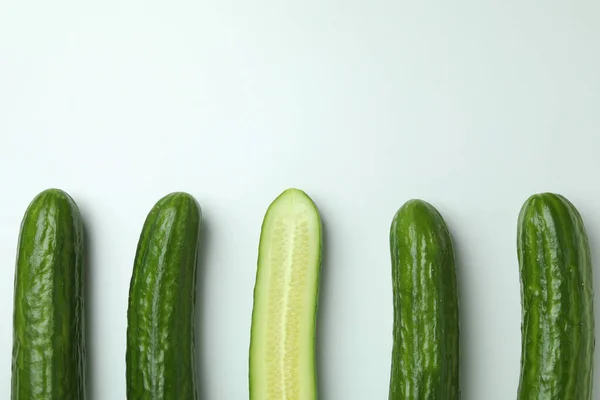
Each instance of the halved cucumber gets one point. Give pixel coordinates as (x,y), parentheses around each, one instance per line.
(282,344)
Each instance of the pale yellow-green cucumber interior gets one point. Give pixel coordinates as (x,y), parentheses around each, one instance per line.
(282,359)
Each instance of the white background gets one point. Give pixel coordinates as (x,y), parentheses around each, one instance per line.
(471,105)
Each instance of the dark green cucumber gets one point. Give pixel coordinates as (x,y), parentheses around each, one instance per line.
(425,354)
(160,333)
(556,297)
(48,321)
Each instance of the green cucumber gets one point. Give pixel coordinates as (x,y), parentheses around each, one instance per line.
(282,345)
(556,296)
(425,354)
(160,358)
(48,356)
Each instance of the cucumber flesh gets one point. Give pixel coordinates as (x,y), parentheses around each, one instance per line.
(282,346)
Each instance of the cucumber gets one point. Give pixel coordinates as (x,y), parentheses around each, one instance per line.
(160,357)
(556,296)
(425,353)
(282,344)
(48,356)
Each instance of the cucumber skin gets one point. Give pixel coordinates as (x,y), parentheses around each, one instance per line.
(557,296)
(424,280)
(160,357)
(48,359)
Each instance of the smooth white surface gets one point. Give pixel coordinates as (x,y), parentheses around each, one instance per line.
(470,105)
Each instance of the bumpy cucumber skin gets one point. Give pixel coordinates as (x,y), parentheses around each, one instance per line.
(425,355)
(557,296)
(252,375)
(160,358)
(48,360)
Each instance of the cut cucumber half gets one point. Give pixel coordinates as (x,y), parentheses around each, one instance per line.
(282,344)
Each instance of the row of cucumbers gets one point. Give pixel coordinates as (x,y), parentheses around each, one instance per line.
(49,318)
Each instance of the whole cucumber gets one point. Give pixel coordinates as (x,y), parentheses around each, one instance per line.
(160,334)
(48,321)
(425,354)
(557,295)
